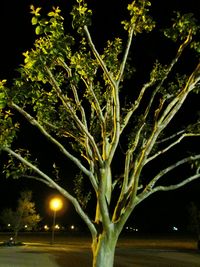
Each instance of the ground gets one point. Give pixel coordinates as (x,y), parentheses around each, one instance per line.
(71,251)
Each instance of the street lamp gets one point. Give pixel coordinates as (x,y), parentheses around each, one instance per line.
(55,205)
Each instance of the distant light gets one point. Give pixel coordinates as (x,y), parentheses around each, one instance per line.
(57,227)
(72,227)
(46,227)
(9,224)
(25,226)
(175,228)
(131,229)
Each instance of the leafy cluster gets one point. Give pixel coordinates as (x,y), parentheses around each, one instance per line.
(112,54)
(14,168)
(140,19)
(79,190)
(81,16)
(8,129)
(25,214)
(83,63)
(3,97)
(184,26)
(52,44)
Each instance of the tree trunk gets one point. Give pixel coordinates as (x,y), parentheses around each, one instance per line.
(16,235)
(103,249)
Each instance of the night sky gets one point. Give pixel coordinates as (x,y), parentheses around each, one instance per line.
(162,210)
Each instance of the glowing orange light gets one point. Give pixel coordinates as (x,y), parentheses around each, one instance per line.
(56,204)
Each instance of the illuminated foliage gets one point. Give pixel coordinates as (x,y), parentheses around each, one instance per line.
(102,114)
(25,214)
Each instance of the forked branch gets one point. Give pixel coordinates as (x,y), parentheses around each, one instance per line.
(55,142)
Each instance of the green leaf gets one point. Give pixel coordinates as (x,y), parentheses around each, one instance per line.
(38,30)
(35,11)
(2,100)
(2,104)
(34,21)
(51,14)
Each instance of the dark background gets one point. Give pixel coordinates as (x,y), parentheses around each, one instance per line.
(158,213)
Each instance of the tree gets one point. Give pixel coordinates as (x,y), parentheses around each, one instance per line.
(77,98)
(194,219)
(25,214)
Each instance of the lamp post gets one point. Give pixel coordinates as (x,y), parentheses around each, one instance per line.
(55,205)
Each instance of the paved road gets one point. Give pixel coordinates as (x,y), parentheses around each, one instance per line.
(156,258)
(37,255)
(25,257)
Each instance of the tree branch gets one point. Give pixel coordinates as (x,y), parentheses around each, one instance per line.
(164,120)
(99,59)
(124,60)
(116,126)
(95,104)
(37,179)
(89,152)
(168,188)
(116,117)
(168,114)
(69,134)
(176,186)
(170,146)
(80,125)
(57,187)
(171,137)
(177,102)
(170,168)
(58,144)
(136,104)
(168,70)
(74,90)
(128,178)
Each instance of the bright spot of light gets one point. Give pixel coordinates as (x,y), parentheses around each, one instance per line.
(131,229)
(57,227)
(46,227)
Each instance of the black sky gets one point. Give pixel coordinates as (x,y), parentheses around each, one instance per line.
(17,36)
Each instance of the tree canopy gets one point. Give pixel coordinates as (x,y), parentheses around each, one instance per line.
(24,217)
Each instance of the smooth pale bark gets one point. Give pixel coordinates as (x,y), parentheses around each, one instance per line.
(103,249)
